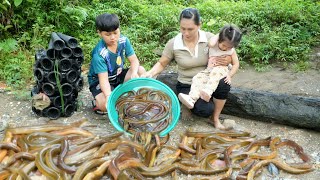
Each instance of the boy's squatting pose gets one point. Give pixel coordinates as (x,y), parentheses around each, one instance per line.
(107,69)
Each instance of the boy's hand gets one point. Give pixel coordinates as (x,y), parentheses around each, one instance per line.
(227,80)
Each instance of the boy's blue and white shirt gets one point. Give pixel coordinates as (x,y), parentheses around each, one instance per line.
(104,60)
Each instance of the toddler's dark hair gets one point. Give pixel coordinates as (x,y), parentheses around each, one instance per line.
(230,33)
(107,22)
(191,13)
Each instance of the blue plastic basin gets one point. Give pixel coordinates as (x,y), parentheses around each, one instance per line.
(135,84)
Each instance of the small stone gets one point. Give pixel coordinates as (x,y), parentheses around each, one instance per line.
(273,170)
(229,124)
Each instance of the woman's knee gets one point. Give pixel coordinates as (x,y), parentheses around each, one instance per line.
(182,88)
(203,108)
(222,90)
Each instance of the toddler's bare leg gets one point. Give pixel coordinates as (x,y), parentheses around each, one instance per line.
(205,95)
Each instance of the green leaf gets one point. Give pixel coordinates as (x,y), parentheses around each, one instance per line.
(3,7)
(6,2)
(17,2)
(211,22)
(7,27)
(8,45)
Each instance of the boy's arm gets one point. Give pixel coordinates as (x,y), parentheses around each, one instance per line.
(104,83)
(235,64)
(133,59)
(134,65)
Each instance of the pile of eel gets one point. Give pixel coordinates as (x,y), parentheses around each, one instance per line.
(71,151)
(144,110)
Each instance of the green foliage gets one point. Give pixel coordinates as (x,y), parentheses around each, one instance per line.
(275,31)
(17,2)
(301,66)
(22,95)
(75,16)
(8,45)
(14,64)
(148,30)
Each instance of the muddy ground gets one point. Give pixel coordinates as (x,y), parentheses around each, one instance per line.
(17,112)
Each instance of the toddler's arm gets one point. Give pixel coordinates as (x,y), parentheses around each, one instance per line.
(235,66)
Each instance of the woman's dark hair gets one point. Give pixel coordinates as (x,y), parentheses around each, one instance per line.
(107,22)
(191,13)
(230,33)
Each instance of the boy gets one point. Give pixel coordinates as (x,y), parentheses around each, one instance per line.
(107,64)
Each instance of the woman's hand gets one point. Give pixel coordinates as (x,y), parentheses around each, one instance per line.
(147,74)
(221,60)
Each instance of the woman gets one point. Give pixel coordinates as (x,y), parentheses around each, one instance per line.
(190,50)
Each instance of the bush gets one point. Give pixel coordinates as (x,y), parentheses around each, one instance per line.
(276,30)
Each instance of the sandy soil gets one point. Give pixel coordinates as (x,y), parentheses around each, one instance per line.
(281,81)
(17,112)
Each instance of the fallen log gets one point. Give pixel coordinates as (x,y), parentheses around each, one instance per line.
(297,111)
(292,110)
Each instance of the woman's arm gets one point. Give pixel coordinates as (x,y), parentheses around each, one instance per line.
(213,41)
(158,67)
(222,60)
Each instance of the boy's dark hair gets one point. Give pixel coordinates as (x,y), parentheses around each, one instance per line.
(230,33)
(191,13)
(107,22)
